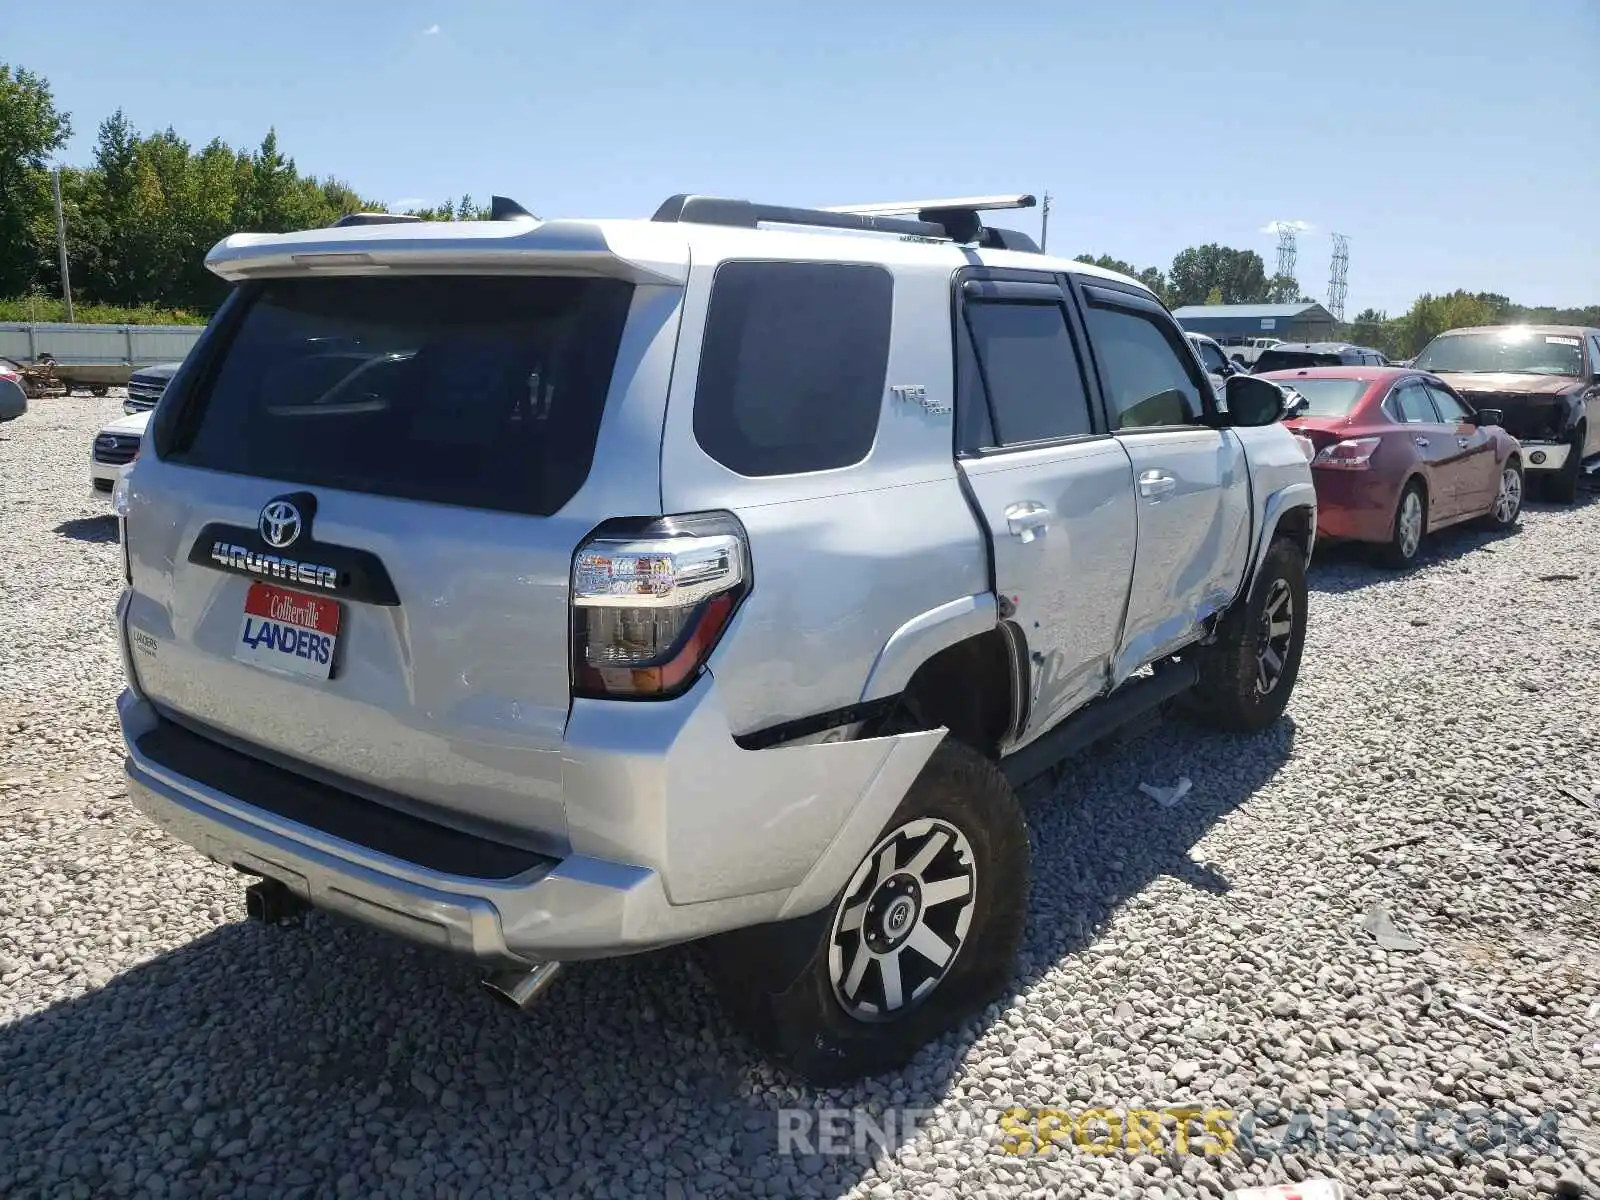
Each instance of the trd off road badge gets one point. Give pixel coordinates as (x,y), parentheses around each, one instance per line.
(917,394)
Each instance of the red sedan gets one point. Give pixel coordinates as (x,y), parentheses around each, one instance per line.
(1400,454)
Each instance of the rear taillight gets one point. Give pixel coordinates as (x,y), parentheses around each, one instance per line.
(1352,454)
(119,505)
(649,603)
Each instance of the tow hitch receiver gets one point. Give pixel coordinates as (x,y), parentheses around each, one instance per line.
(271,903)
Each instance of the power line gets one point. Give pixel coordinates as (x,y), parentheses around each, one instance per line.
(1339,276)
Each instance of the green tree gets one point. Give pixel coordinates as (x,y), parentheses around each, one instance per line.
(1240,276)
(1151,277)
(1283,289)
(31,128)
(1432,315)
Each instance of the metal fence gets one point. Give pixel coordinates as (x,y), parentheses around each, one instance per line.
(129,346)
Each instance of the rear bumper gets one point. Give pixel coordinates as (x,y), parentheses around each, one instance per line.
(699,847)
(1355,506)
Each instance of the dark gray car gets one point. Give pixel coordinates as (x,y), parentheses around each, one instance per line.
(146,385)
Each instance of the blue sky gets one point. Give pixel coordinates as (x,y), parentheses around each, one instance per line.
(1455,142)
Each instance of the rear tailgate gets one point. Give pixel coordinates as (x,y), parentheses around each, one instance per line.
(351,549)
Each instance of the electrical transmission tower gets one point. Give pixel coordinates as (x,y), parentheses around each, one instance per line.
(1286,251)
(1338,279)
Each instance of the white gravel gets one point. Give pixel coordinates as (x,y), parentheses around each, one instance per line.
(153,1043)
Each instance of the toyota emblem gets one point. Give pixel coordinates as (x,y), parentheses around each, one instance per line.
(280,524)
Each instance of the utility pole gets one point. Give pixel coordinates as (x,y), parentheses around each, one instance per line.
(61,241)
(1044,223)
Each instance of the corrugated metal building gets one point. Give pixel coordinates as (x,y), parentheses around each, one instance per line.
(1290,322)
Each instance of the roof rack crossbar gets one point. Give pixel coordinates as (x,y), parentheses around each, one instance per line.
(960,219)
(959,204)
(742,214)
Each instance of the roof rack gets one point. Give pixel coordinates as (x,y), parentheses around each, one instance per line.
(947,220)
(742,214)
(959,218)
(374,218)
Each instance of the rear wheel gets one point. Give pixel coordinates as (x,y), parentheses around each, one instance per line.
(1247,674)
(1410,523)
(1508,500)
(923,935)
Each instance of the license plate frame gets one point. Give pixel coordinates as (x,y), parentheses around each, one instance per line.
(289,632)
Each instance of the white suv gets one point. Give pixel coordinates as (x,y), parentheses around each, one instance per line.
(552,590)
(111,452)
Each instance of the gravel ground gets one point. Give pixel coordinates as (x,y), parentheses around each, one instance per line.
(153,1043)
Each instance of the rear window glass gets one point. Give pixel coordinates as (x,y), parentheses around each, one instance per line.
(473,391)
(1284,360)
(792,366)
(1327,397)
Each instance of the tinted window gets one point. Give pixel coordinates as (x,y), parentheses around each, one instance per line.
(792,366)
(1288,360)
(1211,356)
(1030,365)
(484,392)
(1450,409)
(1594,355)
(1410,402)
(1148,382)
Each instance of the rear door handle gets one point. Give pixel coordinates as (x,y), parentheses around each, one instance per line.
(1026,519)
(1155,484)
(1421,441)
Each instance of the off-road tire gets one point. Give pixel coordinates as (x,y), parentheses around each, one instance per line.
(1227,696)
(1395,553)
(773,980)
(1562,486)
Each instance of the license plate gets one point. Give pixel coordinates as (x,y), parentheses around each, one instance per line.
(288,631)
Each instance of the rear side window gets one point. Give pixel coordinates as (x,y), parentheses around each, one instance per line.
(1026,357)
(792,366)
(1286,360)
(473,391)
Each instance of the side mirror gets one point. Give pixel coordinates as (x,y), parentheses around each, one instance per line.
(1490,416)
(1253,402)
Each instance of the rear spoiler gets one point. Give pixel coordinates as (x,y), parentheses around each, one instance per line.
(617,250)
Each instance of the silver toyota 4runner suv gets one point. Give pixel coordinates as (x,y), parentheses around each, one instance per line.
(555,590)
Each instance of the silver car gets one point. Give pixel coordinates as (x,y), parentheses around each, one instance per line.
(554,590)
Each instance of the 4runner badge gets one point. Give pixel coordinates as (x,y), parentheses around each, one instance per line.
(915,393)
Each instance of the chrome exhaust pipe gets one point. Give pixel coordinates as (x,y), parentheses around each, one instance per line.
(521,988)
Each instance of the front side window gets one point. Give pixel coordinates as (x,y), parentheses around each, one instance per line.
(1028,363)
(1146,379)
(1451,411)
(793,365)
(1212,357)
